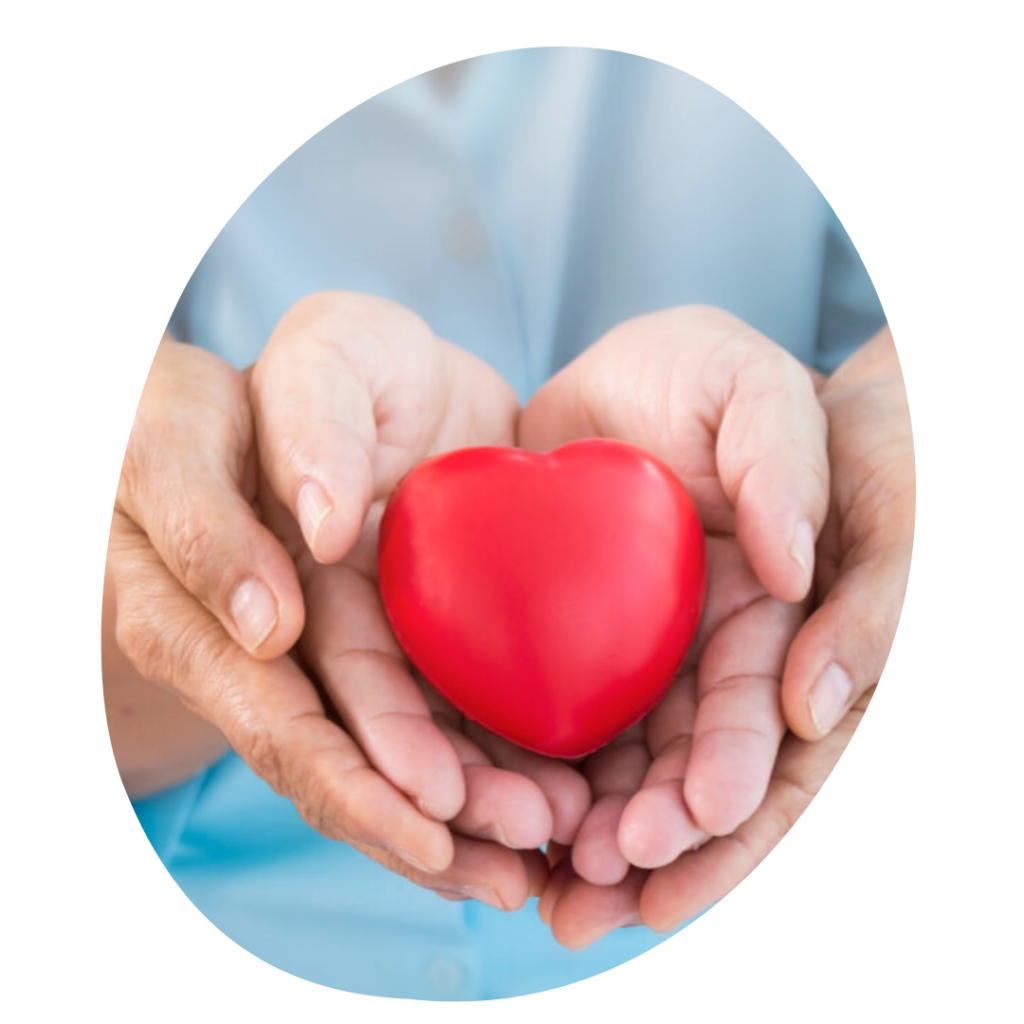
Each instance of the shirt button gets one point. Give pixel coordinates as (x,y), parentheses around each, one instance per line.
(466,237)
(445,976)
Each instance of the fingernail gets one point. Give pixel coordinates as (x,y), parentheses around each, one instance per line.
(830,697)
(802,548)
(485,894)
(314,506)
(254,612)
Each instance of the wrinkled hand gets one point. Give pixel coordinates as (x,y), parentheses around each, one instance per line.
(201,598)
(738,420)
(350,393)
(864,550)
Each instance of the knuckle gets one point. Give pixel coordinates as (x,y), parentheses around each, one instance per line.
(779,820)
(249,733)
(773,823)
(313,805)
(140,643)
(794,792)
(323,801)
(138,459)
(194,545)
(878,630)
(259,750)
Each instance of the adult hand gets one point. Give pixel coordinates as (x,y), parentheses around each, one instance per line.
(864,550)
(196,587)
(350,393)
(862,567)
(737,419)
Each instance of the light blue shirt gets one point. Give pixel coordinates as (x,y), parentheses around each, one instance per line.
(554,194)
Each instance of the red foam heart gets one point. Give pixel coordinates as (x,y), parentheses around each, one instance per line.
(551,598)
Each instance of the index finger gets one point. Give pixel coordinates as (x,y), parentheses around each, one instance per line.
(273,717)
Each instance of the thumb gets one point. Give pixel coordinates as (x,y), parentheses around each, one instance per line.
(735,416)
(772,455)
(841,650)
(183,483)
(313,393)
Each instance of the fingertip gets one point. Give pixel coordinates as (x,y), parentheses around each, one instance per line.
(432,850)
(561,875)
(573,939)
(443,802)
(780,506)
(801,552)
(830,698)
(656,827)
(714,817)
(781,556)
(655,917)
(839,653)
(313,508)
(265,612)
(417,758)
(596,856)
(261,623)
(586,913)
(441,791)
(515,894)
(254,613)
(504,807)
(657,903)
(564,788)
(569,807)
(814,705)
(330,509)
(812,649)
(727,779)
(528,833)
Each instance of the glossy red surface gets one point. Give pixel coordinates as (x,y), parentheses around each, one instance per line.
(552,597)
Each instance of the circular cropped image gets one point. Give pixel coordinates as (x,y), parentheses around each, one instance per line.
(512,532)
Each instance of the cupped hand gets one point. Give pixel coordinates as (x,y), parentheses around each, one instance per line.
(351,393)
(865,547)
(837,657)
(737,419)
(197,588)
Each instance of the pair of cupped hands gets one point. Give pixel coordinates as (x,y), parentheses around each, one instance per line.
(243,560)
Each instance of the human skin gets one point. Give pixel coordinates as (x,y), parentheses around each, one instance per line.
(862,566)
(186,534)
(157,741)
(405,394)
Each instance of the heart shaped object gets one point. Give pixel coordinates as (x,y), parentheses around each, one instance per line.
(550,597)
